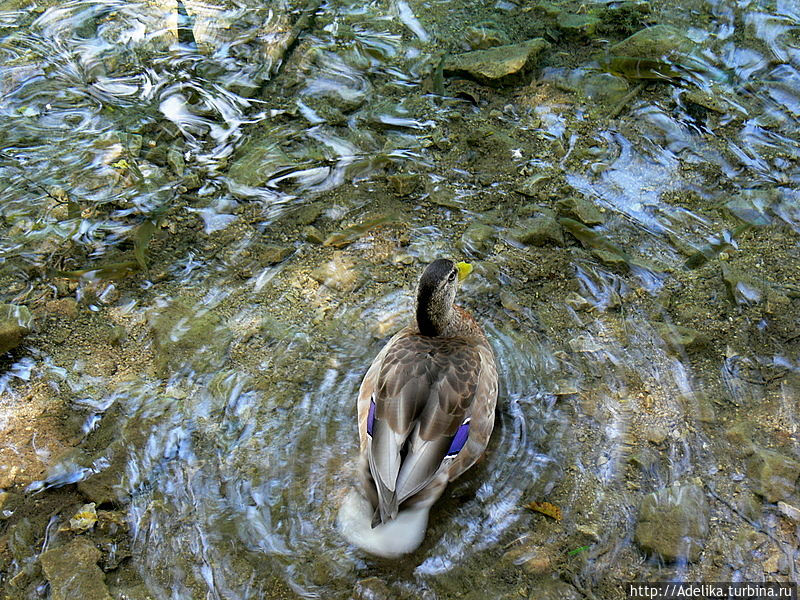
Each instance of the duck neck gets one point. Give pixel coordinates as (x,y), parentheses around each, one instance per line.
(433,318)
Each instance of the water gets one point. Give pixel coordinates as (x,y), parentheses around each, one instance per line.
(217,214)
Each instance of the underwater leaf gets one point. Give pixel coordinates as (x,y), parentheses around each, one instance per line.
(685,69)
(577,550)
(715,246)
(640,68)
(84,519)
(339,239)
(748,211)
(110,271)
(607,252)
(141,239)
(73,210)
(546,508)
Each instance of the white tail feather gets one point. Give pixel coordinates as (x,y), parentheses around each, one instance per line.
(399,536)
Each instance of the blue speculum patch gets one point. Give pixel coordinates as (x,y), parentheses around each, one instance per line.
(459,439)
(370,417)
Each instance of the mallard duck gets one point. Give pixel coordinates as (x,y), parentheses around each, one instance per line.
(425,414)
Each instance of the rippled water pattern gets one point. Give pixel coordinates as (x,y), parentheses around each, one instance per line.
(232,471)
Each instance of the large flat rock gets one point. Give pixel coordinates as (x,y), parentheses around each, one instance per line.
(498,65)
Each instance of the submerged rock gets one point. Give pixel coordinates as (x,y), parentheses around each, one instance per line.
(187,336)
(257,161)
(581,210)
(578,302)
(531,557)
(337,274)
(372,588)
(272,254)
(678,337)
(789,511)
(577,25)
(533,186)
(404,184)
(84,519)
(485,35)
(539,230)
(312,234)
(497,65)
(610,258)
(15,324)
(478,238)
(741,288)
(605,88)
(673,522)
(654,42)
(555,589)
(73,573)
(740,436)
(773,475)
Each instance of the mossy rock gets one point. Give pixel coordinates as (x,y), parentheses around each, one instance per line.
(188,337)
(15,324)
(539,230)
(773,475)
(673,522)
(73,573)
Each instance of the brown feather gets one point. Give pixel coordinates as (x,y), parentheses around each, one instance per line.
(424,387)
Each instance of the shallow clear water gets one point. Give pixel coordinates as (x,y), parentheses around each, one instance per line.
(195,139)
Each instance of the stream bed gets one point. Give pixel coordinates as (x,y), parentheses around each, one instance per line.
(213,217)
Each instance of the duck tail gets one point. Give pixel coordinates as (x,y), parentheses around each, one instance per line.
(401,535)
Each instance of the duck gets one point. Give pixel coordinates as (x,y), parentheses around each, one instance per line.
(426,410)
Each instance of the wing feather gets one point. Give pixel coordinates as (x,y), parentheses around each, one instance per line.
(423,393)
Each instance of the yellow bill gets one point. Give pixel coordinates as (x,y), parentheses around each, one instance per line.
(464,269)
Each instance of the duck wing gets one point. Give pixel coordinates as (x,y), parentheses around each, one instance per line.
(421,400)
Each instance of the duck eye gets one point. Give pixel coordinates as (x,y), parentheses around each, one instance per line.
(452,276)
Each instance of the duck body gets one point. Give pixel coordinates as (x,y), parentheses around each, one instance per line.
(425,414)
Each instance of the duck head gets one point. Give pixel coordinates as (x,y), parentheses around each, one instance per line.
(436,293)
